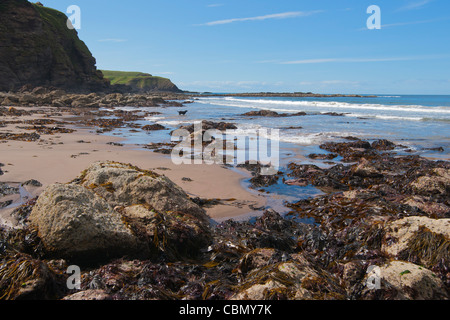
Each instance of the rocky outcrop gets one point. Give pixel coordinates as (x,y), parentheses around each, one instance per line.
(43,96)
(270,113)
(209,125)
(38,49)
(420,239)
(296,279)
(399,280)
(114,210)
(125,185)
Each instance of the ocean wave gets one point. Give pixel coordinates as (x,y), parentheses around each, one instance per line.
(277,105)
(291,136)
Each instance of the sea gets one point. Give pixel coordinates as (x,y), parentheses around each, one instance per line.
(418,124)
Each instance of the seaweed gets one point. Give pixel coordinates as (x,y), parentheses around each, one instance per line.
(429,249)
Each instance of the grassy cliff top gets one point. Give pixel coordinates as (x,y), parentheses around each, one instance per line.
(139,80)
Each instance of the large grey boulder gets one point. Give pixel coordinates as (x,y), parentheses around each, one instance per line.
(114,210)
(125,185)
(76,224)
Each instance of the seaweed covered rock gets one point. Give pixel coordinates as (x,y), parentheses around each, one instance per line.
(153,127)
(295,279)
(263,175)
(114,210)
(436,183)
(126,185)
(89,295)
(210,125)
(399,280)
(270,113)
(420,240)
(379,171)
(25,278)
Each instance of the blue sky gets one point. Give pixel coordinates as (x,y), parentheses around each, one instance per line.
(320,46)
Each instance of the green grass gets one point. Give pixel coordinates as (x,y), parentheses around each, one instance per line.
(138,79)
(125,77)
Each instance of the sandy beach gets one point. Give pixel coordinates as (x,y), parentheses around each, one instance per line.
(61,157)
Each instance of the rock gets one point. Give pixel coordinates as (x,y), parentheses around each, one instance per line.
(78,225)
(438,182)
(257,258)
(58,93)
(208,125)
(333,114)
(33,183)
(9,102)
(114,210)
(42,51)
(353,273)
(269,113)
(438,149)
(89,295)
(125,185)
(365,169)
(39,90)
(329,156)
(291,280)
(401,280)
(383,145)
(351,151)
(27,99)
(432,209)
(297,182)
(153,127)
(262,113)
(25,278)
(399,232)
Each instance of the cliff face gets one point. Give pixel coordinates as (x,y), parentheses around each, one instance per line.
(38,49)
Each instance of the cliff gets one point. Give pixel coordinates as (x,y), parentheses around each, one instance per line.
(37,49)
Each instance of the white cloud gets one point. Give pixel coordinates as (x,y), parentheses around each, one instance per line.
(412,22)
(283,15)
(400,24)
(327,83)
(112,40)
(356,60)
(415,5)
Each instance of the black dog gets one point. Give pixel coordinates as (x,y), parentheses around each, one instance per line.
(182,113)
